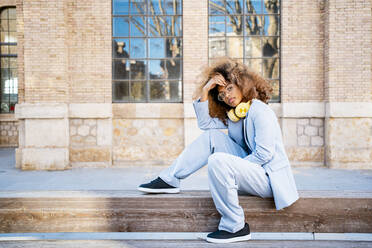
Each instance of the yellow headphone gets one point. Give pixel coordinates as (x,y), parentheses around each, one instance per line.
(240,111)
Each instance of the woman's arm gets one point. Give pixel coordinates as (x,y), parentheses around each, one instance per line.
(205,121)
(264,125)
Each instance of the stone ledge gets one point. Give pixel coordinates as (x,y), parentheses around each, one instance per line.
(147,110)
(41,111)
(90,110)
(348,109)
(8,117)
(302,109)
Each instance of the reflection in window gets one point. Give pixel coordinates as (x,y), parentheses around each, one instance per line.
(147,50)
(8,60)
(249,31)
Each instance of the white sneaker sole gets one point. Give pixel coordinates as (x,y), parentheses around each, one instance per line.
(167,191)
(224,241)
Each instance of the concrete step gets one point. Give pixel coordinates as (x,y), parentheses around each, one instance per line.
(190,211)
(182,244)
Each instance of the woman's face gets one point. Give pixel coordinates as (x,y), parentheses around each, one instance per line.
(230,94)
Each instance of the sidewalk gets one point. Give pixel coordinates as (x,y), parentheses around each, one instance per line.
(128,178)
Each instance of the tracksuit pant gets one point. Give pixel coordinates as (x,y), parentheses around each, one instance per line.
(228,172)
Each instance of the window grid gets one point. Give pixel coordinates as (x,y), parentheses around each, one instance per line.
(8,61)
(149,81)
(244,35)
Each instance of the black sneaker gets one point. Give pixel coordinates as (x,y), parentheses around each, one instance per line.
(158,186)
(227,237)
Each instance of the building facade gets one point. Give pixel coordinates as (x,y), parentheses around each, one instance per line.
(87,98)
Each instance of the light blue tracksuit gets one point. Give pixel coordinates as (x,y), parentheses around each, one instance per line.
(251,158)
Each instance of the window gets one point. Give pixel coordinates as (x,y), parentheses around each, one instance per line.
(247,30)
(147,50)
(8,60)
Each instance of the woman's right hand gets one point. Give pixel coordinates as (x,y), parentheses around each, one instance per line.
(218,79)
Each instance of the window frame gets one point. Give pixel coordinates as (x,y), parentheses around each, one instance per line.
(9,55)
(244,36)
(147,79)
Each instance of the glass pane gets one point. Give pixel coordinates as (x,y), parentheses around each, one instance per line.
(172,69)
(120,26)
(217,7)
(253,47)
(4,49)
(173,47)
(4,63)
(13,49)
(3,36)
(158,90)
(172,7)
(275,93)
(253,6)
(10,86)
(271,7)
(154,8)
(217,47)
(156,47)
(175,91)
(13,73)
(155,26)
(138,26)
(120,69)
(271,25)
(216,25)
(254,64)
(120,48)
(120,7)
(12,25)
(120,91)
(4,106)
(138,90)
(166,91)
(12,62)
(234,7)
(4,26)
(138,7)
(234,47)
(137,48)
(174,26)
(4,14)
(164,7)
(269,46)
(157,69)
(234,25)
(12,37)
(12,13)
(165,26)
(253,25)
(5,73)
(137,69)
(271,68)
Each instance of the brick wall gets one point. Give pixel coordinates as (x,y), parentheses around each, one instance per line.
(68,51)
(195,40)
(347,64)
(302,51)
(89,50)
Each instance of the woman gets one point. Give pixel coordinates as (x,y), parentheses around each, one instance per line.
(251,158)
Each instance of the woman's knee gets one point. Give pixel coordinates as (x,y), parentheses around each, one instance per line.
(217,163)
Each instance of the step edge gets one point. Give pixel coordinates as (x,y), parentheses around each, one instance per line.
(184,194)
(179,236)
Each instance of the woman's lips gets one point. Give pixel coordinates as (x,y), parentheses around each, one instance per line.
(231,100)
